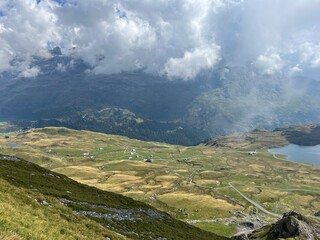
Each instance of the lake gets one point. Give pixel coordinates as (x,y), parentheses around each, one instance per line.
(13,145)
(305,154)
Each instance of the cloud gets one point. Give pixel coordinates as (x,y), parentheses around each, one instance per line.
(311,54)
(25,29)
(164,36)
(295,69)
(111,36)
(269,63)
(192,62)
(30,72)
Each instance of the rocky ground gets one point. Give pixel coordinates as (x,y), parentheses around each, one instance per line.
(291,225)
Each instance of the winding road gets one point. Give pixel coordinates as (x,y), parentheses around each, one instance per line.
(258,206)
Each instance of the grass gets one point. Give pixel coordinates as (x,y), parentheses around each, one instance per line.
(22,217)
(22,182)
(200,205)
(9,236)
(179,177)
(218,228)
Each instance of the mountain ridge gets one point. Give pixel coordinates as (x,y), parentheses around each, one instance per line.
(304,135)
(223,102)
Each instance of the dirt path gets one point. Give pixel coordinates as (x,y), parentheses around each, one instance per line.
(258,206)
(282,159)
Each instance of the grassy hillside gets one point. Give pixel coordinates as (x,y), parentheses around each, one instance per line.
(23,217)
(190,183)
(39,204)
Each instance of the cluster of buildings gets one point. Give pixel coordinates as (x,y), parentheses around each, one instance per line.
(133,154)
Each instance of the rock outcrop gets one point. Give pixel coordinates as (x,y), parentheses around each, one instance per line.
(292,225)
(287,227)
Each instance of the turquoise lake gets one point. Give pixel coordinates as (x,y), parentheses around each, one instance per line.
(305,154)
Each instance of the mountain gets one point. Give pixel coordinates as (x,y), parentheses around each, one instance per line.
(123,122)
(39,204)
(303,135)
(151,107)
(77,99)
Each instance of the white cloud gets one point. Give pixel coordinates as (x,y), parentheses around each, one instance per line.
(60,67)
(164,35)
(315,56)
(30,72)
(25,30)
(192,62)
(295,69)
(269,63)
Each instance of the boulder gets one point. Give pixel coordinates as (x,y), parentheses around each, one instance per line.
(287,226)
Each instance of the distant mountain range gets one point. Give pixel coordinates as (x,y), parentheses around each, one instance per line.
(303,135)
(148,107)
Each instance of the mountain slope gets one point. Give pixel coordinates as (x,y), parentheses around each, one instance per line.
(122,122)
(231,99)
(121,214)
(304,135)
(29,214)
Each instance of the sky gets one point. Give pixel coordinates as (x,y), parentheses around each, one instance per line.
(178,39)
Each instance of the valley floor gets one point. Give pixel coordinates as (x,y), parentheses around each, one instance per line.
(200,185)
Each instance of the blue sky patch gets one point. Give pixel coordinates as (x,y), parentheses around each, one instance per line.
(61,2)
